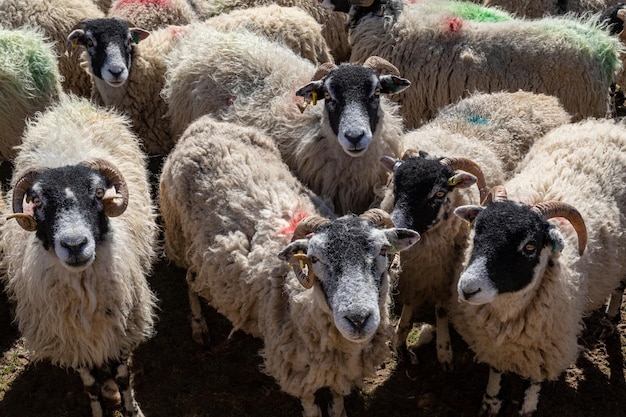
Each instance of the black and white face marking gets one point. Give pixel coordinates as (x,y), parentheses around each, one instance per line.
(109,47)
(512,245)
(67,204)
(349,259)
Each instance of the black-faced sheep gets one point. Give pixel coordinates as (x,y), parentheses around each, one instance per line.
(83,240)
(494,131)
(325,324)
(527,284)
(56,18)
(30,82)
(450,48)
(333,149)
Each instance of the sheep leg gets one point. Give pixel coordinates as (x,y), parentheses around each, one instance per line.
(199,328)
(122,379)
(444,347)
(531,399)
(92,387)
(309,408)
(402,332)
(491,403)
(337,408)
(615,303)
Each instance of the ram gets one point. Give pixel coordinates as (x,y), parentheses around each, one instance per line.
(245,79)
(528,281)
(77,256)
(228,202)
(450,48)
(493,131)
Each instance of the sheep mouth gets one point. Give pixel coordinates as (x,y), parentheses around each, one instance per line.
(78,264)
(356,151)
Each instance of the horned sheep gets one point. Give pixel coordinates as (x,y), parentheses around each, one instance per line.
(449,48)
(79,281)
(245,79)
(527,285)
(486,135)
(30,82)
(228,202)
(55,18)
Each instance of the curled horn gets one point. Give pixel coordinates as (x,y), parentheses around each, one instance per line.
(111,173)
(549,209)
(26,221)
(305,226)
(323,70)
(378,64)
(308,225)
(497,193)
(473,168)
(379,217)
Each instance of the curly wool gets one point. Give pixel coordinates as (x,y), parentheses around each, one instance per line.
(79,319)
(30,82)
(246,79)
(446,51)
(153,14)
(56,19)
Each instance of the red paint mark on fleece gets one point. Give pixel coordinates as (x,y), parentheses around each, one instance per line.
(126,3)
(293,222)
(178,31)
(453,24)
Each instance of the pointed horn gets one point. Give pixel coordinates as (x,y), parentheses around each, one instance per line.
(308,225)
(473,168)
(497,193)
(306,279)
(379,64)
(323,70)
(379,217)
(112,208)
(410,153)
(26,221)
(549,209)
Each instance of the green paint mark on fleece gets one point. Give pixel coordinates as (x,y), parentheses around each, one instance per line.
(476,13)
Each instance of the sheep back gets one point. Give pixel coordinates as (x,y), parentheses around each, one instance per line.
(30,82)
(155,14)
(56,18)
(79,319)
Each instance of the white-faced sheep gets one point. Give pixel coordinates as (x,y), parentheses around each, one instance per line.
(333,149)
(153,14)
(494,131)
(77,256)
(227,201)
(450,48)
(521,301)
(55,18)
(30,82)
(333,24)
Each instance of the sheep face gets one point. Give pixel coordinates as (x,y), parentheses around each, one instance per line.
(422,188)
(349,259)
(512,247)
(69,206)
(108,42)
(351,95)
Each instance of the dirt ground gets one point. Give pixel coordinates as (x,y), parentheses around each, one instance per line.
(176,378)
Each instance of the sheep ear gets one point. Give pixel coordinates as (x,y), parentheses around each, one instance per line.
(392,84)
(391,164)
(468,213)
(401,238)
(308,90)
(462,179)
(300,245)
(77,36)
(138,34)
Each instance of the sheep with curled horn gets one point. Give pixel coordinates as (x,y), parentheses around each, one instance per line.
(332,148)
(76,257)
(535,268)
(229,206)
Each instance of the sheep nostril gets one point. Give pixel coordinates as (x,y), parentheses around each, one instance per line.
(354,137)
(468,294)
(75,246)
(116,72)
(358,321)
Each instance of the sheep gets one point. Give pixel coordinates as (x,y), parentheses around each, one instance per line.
(55,18)
(449,48)
(494,131)
(79,282)
(537,9)
(245,79)
(30,82)
(521,301)
(333,24)
(153,14)
(228,204)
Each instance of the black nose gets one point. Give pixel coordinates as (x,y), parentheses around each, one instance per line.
(74,245)
(358,321)
(115,72)
(354,137)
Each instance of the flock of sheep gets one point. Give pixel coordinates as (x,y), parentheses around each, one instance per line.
(303,223)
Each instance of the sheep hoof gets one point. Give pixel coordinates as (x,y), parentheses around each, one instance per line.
(200,332)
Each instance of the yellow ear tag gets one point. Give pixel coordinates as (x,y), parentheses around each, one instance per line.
(453,180)
(314,98)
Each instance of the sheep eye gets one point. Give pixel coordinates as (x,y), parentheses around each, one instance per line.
(327,96)
(313,259)
(37,201)
(100,193)
(89,43)
(440,194)
(377,92)
(530,248)
(384,251)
